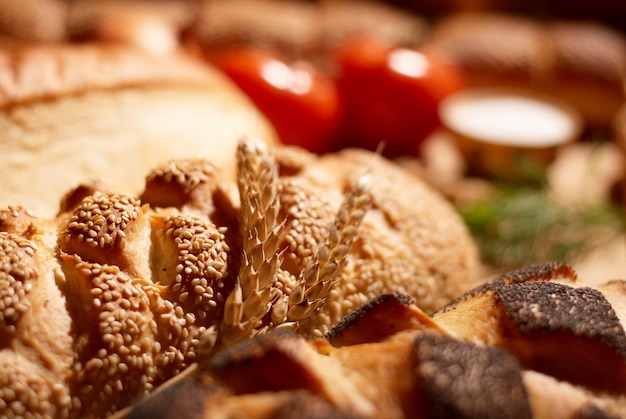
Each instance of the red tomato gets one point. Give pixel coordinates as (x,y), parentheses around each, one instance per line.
(303,105)
(392,94)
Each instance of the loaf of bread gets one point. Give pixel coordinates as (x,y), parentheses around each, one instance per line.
(533,343)
(32,21)
(141,242)
(119,293)
(300,29)
(73,113)
(155,26)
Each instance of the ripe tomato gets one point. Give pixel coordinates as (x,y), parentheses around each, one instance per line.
(392,94)
(303,105)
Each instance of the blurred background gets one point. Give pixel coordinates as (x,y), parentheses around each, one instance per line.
(537,174)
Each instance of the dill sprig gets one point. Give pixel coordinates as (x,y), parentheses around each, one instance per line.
(521,225)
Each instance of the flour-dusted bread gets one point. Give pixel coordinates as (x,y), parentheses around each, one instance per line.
(119,293)
(77,113)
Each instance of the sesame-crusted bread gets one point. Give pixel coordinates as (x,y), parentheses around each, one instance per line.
(414,229)
(89,323)
(430,367)
(119,293)
(69,113)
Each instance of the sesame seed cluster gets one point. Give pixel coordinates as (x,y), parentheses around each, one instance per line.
(134,323)
(148,322)
(118,294)
(17,272)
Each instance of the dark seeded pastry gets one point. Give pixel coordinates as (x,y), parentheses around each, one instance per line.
(550,271)
(407,370)
(414,367)
(615,292)
(410,375)
(378,319)
(460,379)
(117,294)
(549,326)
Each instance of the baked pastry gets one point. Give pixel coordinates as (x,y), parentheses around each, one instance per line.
(288,26)
(300,29)
(558,352)
(119,293)
(69,113)
(32,21)
(153,25)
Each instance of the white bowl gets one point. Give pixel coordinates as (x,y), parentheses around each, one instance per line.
(507,133)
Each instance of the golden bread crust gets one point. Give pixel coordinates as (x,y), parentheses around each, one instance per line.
(33,21)
(139,288)
(45,72)
(71,112)
(417,371)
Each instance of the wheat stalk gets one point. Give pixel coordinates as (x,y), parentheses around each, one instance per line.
(257,292)
(253,294)
(324,269)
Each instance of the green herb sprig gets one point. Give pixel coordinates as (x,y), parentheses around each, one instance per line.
(517,226)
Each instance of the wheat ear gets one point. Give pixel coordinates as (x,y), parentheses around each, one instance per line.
(324,269)
(252,296)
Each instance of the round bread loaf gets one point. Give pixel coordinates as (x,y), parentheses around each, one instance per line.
(85,112)
(119,293)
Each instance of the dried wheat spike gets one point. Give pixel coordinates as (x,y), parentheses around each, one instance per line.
(324,268)
(252,297)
